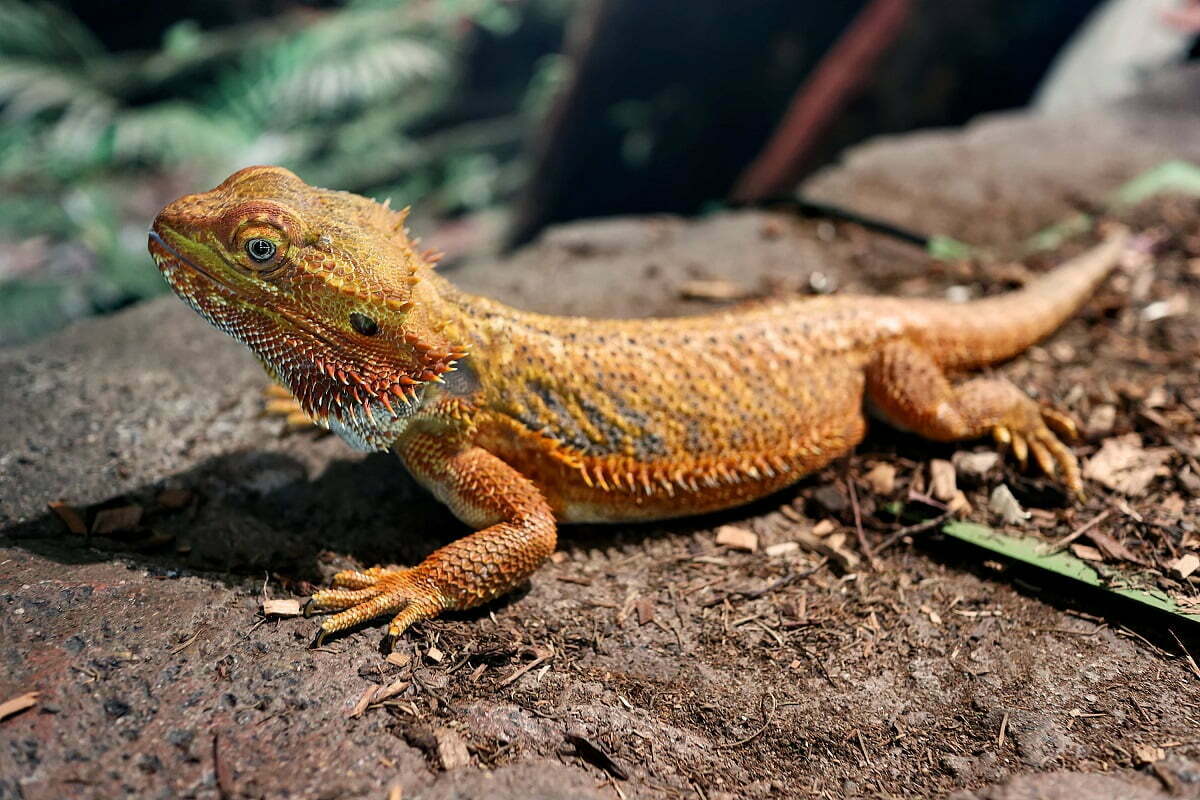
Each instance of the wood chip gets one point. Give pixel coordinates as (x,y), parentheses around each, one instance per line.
(832,546)
(959,505)
(451,749)
(174,499)
(737,538)
(943,482)
(15,705)
(1144,754)
(70,517)
(716,290)
(117,520)
(1086,552)
(287,607)
(934,617)
(781,549)
(824,527)
(398,659)
(881,479)
(1185,565)
(435,655)
(1003,504)
(644,608)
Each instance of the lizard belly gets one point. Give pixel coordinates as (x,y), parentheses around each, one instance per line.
(705,468)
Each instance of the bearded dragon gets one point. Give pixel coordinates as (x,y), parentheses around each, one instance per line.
(520,421)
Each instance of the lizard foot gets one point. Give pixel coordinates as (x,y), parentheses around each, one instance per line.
(362,595)
(278,402)
(1033,429)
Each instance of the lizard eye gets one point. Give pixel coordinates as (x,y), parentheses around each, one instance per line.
(363,324)
(260,250)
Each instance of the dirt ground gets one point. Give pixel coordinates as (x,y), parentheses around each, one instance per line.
(644,661)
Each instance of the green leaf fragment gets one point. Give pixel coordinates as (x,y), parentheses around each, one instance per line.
(1033,552)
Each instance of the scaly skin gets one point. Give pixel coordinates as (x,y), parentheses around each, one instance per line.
(518,421)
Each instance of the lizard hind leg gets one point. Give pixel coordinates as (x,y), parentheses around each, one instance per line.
(910,390)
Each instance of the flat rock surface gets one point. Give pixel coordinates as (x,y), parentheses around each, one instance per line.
(644,661)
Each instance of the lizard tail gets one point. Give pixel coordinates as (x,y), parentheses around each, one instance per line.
(995,329)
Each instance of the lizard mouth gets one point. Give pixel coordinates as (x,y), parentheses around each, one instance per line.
(163,254)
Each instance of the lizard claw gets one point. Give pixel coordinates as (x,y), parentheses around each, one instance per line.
(1038,432)
(1060,422)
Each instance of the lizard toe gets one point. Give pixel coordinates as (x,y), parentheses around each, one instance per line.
(362,578)
(396,591)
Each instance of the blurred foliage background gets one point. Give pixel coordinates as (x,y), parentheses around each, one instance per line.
(407,99)
(493,118)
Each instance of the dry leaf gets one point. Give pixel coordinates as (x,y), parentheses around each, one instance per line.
(737,538)
(1100,422)
(976,465)
(1111,548)
(393,689)
(1003,504)
(15,705)
(943,483)
(174,498)
(115,520)
(1185,565)
(70,517)
(881,479)
(1122,464)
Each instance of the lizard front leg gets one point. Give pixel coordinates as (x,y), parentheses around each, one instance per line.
(911,392)
(516,534)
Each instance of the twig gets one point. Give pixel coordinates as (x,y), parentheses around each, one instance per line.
(1062,543)
(516,675)
(867,552)
(766,724)
(221,770)
(1191,661)
(1003,730)
(919,527)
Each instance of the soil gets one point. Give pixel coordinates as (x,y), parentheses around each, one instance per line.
(643,661)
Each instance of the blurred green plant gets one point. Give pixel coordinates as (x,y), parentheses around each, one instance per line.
(365,96)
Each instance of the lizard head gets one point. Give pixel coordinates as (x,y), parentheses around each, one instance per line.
(324,287)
